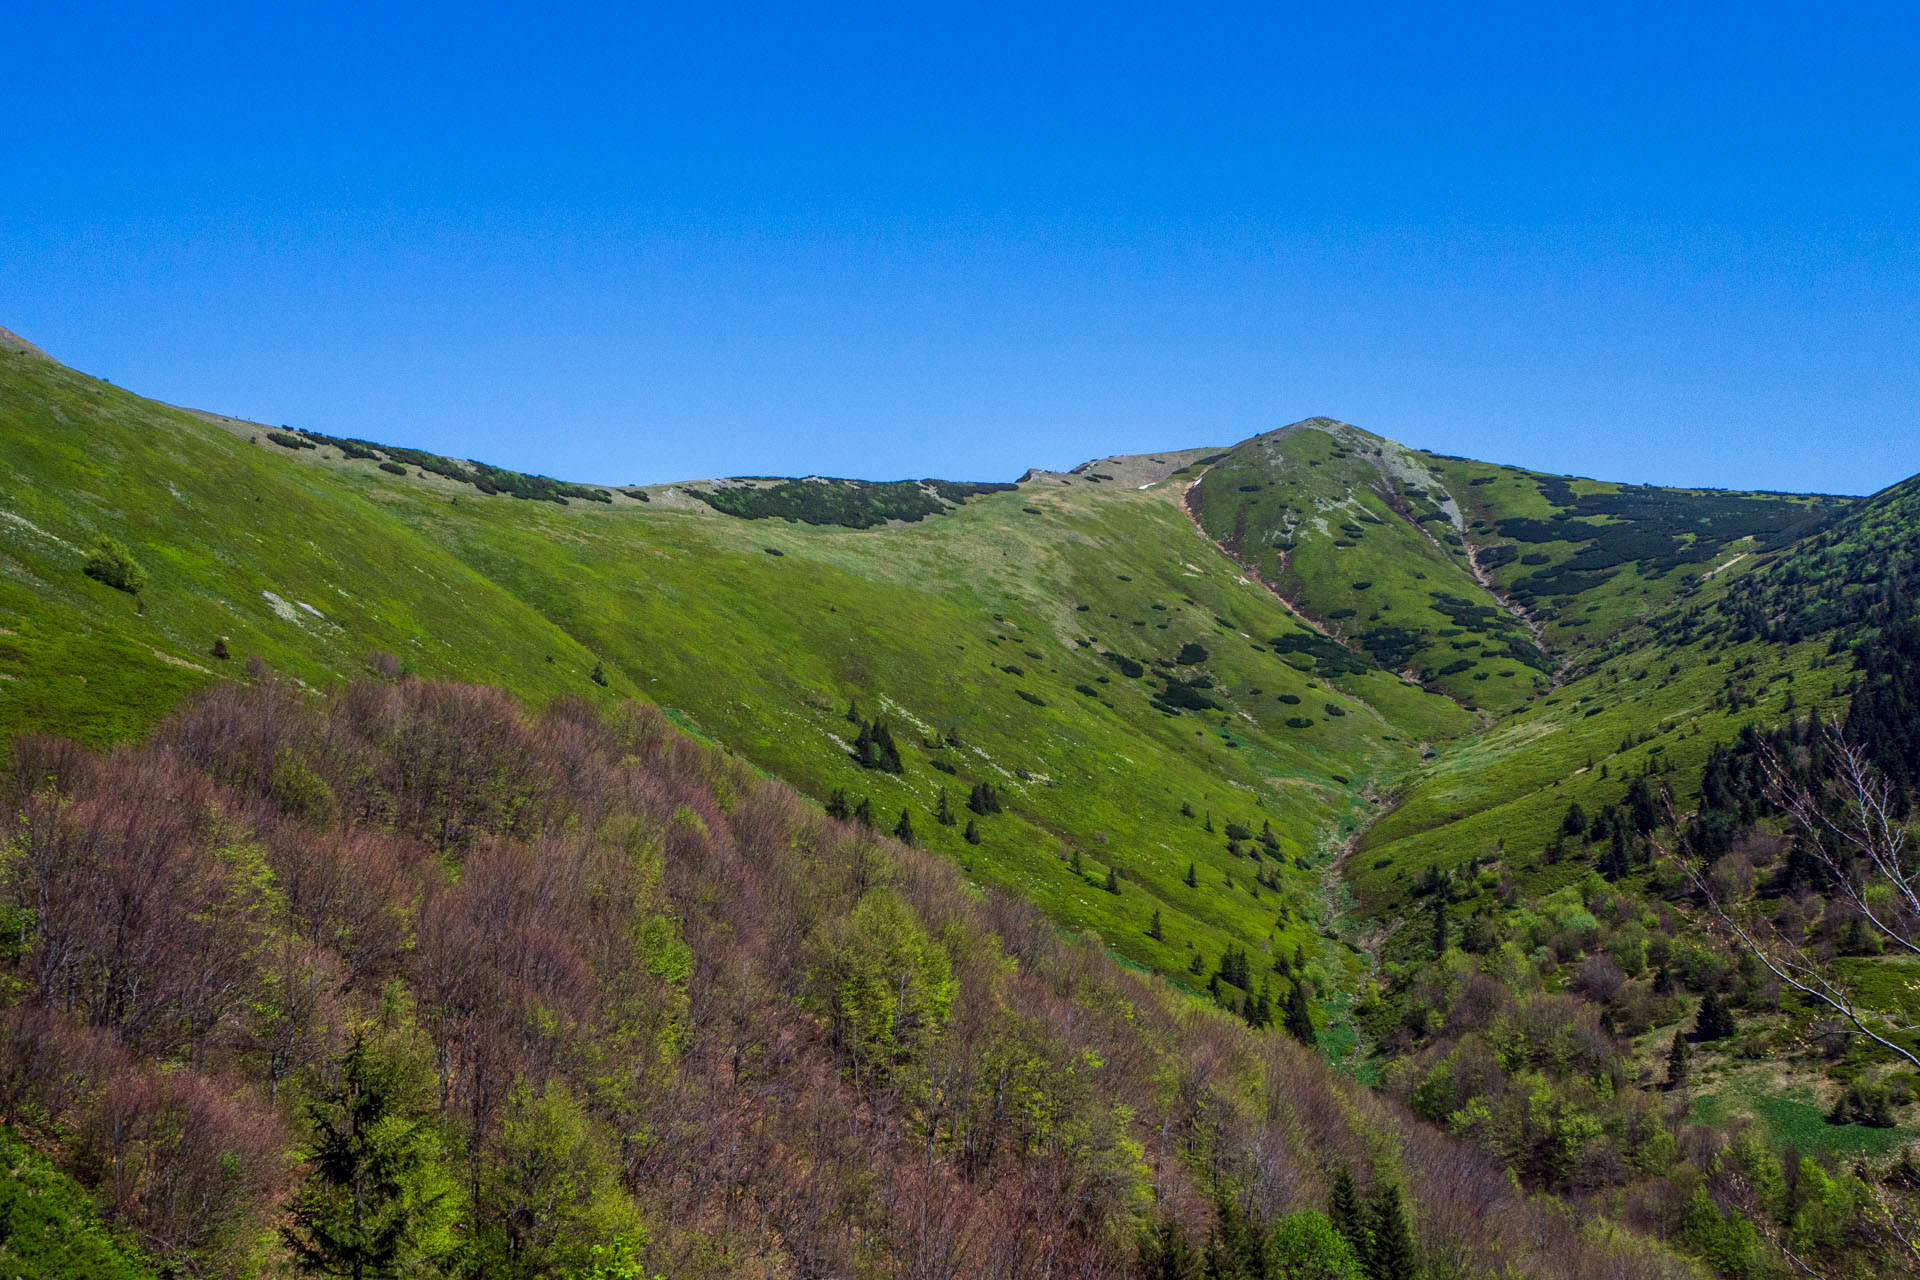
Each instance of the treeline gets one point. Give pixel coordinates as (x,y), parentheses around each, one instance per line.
(405,979)
(487,479)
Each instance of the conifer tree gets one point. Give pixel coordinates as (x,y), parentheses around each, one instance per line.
(1154,930)
(1113,881)
(1075,863)
(1193,881)
(1348,1215)
(863,812)
(1715,1020)
(1166,1253)
(972,833)
(942,814)
(1392,1255)
(375,1201)
(837,806)
(1679,1060)
(1259,1011)
(903,829)
(1299,1016)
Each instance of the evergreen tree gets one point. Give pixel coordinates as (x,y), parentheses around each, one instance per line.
(1439,924)
(874,748)
(1299,1016)
(853,712)
(863,812)
(1575,822)
(1715,1019)
(941,813)
(1259,1010)
(376,1202)
(903,829)
(1074,862)
(1193,881)
(972,833)
(1392,1255)
(1679,1060)
(1186,809)
(983,799)
(1113,881)
(1237,1247)
(1166,1253)
(1154,930)
(1348,1215)
(1616,862)
(837,806)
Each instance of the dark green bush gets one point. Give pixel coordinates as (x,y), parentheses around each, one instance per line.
(287,440)
(393,468)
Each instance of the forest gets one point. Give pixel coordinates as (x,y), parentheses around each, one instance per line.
(405,981)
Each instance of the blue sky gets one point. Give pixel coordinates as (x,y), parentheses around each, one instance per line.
(1668,243)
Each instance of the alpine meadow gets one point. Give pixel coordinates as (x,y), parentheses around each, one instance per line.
(1304,857)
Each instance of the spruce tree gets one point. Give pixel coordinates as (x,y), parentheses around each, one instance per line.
(863,812)
(903,829)
(1679,1059)
(1299,1016)
(837,806)
(1348,1215)
(1392,1255)
(1166,1254)
(1193,881)
(375,1202)
(972,833)
(1113,881)
(941,813)
(1715,1020)
(1154,930)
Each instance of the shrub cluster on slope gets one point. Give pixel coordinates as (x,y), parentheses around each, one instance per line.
(851,504)
(487,479)
(608,1003)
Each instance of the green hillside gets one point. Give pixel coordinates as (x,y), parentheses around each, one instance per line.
(1416,742)
(1072,644)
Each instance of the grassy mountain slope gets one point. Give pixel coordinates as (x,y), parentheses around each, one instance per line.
(1074,644)
(1363,536)
(284,562)
(1785,636)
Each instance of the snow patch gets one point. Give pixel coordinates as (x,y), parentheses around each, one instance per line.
(280,607)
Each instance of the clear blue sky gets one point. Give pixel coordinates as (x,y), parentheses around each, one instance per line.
(1670,243)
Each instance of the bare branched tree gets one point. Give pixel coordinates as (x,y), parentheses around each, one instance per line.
(1862,844)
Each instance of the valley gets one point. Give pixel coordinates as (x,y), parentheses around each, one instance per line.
(1353,764)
